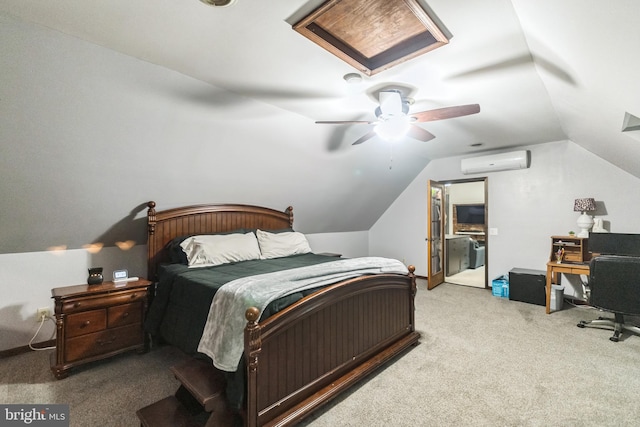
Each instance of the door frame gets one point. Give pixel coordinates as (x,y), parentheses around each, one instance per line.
(445,209)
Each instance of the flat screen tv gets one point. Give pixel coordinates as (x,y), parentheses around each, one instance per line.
(470,214)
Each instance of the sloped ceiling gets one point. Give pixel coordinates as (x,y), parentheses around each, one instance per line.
(240,76)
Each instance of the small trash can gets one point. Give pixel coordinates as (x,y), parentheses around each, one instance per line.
(557,297)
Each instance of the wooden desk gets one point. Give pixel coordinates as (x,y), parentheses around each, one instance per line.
(554,268)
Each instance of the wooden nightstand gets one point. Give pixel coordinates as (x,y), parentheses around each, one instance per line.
(94,322)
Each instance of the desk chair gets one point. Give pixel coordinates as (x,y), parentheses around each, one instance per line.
(614,282)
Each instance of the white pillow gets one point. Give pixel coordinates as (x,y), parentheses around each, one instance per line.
(188,246)
(217,249)
(276,245)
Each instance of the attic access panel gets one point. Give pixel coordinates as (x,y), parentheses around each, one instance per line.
(372,35)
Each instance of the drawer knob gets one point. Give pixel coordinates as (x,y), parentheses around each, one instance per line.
(125,314)
(76,305)
(86,323)
(133,295)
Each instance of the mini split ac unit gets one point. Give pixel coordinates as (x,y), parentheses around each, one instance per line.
(496,162)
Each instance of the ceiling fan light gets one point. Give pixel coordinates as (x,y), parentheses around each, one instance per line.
(393,129)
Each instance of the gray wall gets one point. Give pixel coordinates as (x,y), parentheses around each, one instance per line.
(88,136)
(526,207)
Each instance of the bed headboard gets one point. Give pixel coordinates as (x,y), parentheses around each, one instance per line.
(204,219)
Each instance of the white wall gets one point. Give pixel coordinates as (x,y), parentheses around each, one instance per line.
(27,279)
(525,206)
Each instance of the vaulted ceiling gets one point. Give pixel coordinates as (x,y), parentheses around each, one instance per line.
(541,71)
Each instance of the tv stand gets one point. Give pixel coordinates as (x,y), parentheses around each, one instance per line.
(476,235)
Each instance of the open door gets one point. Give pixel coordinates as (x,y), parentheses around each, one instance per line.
(435,234)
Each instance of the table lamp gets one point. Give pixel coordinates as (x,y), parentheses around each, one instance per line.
(585,222)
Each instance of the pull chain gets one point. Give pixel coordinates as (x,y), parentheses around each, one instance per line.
(390,156)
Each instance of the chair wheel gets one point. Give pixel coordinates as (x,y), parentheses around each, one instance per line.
(581,324)
(614,339)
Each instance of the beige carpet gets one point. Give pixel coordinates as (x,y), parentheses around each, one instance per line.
(481,361)
(469,277)
(487,361)
(103,394)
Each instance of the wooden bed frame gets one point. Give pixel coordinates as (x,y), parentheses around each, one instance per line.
(305,355)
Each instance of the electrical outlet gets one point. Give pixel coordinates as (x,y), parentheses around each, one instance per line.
(42,312)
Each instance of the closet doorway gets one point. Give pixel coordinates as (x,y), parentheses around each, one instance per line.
(460,215)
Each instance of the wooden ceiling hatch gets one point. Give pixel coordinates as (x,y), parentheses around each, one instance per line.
(372,35)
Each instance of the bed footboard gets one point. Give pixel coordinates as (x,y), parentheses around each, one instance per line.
(307,354)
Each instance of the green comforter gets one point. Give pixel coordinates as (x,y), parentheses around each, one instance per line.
(183,297)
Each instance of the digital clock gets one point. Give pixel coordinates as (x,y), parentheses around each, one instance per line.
(120,275)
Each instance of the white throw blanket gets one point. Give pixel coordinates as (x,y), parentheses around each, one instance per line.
(223,336)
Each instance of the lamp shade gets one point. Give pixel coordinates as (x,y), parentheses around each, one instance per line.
(584,221)
(584,205)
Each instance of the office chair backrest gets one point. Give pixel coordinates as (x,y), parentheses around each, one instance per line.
(615,283)
(614,244)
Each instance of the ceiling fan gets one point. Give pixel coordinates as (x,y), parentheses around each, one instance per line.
(394,121)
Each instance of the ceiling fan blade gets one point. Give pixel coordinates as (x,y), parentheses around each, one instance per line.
(446,113)
(390,102)
(420,134)
(365,137)
(344,122)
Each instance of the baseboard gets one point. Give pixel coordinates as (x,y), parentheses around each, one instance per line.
(25,349)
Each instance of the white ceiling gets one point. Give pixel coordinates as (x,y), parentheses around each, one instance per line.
(541,71)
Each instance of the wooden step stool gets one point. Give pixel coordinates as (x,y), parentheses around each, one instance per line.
(203,381)
(202,389)
(167,412)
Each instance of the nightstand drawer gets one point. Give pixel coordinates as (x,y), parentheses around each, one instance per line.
(73,306)
(125,314)
(103,342)
(86,322)
(98,321)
